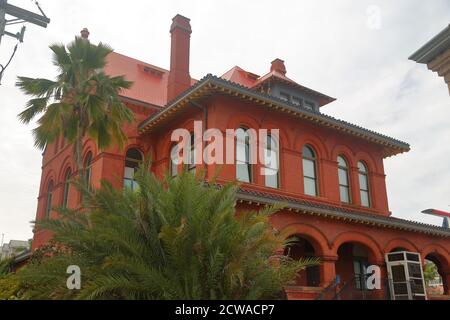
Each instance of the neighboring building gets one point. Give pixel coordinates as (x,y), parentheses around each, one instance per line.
(13,248)
(331,173)
(436,55)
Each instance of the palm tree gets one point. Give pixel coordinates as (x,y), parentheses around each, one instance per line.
(172,239)
(82,102)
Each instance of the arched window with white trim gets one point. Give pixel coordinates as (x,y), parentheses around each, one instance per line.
(173,161)
(271,163)
(344,183)
(48,204)
(88,168)
(67,177)
(309,162)
(244,170)
(133,159)
(191,166)
(363,175)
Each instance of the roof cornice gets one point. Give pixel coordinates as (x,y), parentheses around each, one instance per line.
(213,84)
(337,213)
(430,50)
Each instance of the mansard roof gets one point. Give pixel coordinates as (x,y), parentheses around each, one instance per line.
(211,84)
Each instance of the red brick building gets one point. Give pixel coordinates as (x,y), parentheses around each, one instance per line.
(331,173)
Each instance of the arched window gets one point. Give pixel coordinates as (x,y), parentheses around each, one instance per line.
(48,205)
(66,187)
(88,168)
(191,154)
(309,171)
(133,159)
(271,163)
(174,160)
(344,184)
(243,164)
(363,184)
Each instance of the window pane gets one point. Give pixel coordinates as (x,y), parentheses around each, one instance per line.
(361,167)
(308,168)
(173,169)
(307,152)
(365,198)
(309,105)
(344,194)
(242,172)
(297,101)
(271,178)
(241,154)
(343,177)
(66,188)
(174,158)
(271,158)
(342,162)
(363,182)
(310,186)
(131,163)
(134,154)
(129,173)
(128,183)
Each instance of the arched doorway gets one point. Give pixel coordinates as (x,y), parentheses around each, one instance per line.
(352,271)
(296,248)
(435,280)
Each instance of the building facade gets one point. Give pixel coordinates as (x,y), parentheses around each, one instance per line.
(330,172)
(436,55)
(13,248)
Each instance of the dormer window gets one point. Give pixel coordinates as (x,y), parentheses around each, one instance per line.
(309,105)
(297,101)
(284,96)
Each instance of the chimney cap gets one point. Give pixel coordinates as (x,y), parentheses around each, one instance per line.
(278,66)
(181,22)
(84,33)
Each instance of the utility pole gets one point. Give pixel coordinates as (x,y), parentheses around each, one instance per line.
(19,16)
(2,18)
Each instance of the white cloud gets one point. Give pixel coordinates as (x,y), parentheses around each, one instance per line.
(326,45)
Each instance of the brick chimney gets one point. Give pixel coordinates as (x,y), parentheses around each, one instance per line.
(278,66)
(179,78)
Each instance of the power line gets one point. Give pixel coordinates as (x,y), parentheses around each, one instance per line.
(3,68)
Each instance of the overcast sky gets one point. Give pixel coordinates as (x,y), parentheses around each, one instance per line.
(355,51)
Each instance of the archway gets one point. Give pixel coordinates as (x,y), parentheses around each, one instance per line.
(435,280)
(352,265)
(298,247)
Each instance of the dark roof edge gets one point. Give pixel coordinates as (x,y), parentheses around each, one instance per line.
(22,256)
(139,102)
(360,217)
(310,91)
(208,79)
(432,48)
(365,218)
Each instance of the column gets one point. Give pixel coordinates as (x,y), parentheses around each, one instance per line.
(327,270)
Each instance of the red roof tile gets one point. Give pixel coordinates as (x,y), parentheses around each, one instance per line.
(149,81)
(240,76)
